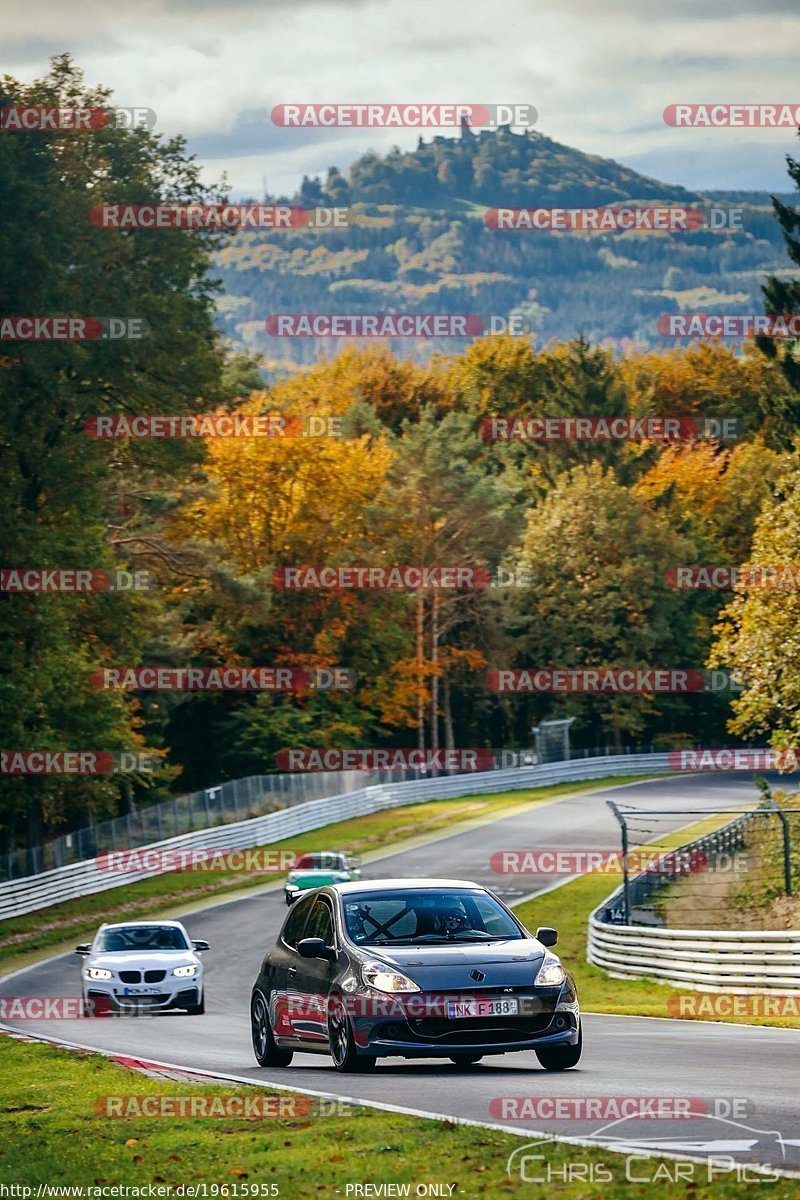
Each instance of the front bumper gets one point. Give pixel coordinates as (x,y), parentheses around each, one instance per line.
(110,998)
(547,1017)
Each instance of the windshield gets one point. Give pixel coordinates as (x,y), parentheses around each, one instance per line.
(321,862)
(131,938)
(426,917)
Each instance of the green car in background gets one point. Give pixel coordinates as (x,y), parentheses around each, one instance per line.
(315,870)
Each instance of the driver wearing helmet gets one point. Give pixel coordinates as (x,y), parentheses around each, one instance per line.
(451,916)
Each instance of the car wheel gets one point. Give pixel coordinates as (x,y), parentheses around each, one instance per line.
(266,1052)
(465,1060)
(561,1058)
(197,1010)
(342,1043)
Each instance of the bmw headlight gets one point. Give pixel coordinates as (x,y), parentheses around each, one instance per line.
(98,973)
(551,973)
(182,972)
(384,979)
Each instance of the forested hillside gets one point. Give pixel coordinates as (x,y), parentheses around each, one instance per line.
(417,241)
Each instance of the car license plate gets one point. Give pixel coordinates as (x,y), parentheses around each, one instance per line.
(483,1008)
(139,991)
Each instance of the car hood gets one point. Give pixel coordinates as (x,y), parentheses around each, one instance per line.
(145,960)
(504,964)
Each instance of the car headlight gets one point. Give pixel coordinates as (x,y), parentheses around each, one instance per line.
(377,975)
(98,973)
(182,972)
(551,973)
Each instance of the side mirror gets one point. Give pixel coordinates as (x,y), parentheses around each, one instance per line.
(547,936)
(200,946)
(315,948)
(84,950)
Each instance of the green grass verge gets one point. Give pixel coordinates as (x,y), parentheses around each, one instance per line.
(26,939)
(52,1134)
(568,908)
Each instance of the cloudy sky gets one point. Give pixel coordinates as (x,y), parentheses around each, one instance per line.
(599,74)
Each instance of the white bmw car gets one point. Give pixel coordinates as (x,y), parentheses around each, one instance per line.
(142,964)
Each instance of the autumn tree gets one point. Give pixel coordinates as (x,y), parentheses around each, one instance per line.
(758,636)
(782,296)
(714,494)
(444,505)
(598,599)
(55,262)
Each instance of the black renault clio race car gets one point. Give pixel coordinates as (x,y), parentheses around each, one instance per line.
(418,968)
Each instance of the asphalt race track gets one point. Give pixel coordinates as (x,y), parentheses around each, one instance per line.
(622,1056)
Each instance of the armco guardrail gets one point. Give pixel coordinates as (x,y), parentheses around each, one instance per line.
(223,804)
(219,804)
(19,896)
(698,959)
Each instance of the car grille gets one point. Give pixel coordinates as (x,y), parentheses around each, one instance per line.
(477,1030)
(124,1003)
(154,976)
(142,1001)
(131,976)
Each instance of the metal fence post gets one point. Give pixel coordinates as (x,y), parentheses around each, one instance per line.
(787,845)
(625,882)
